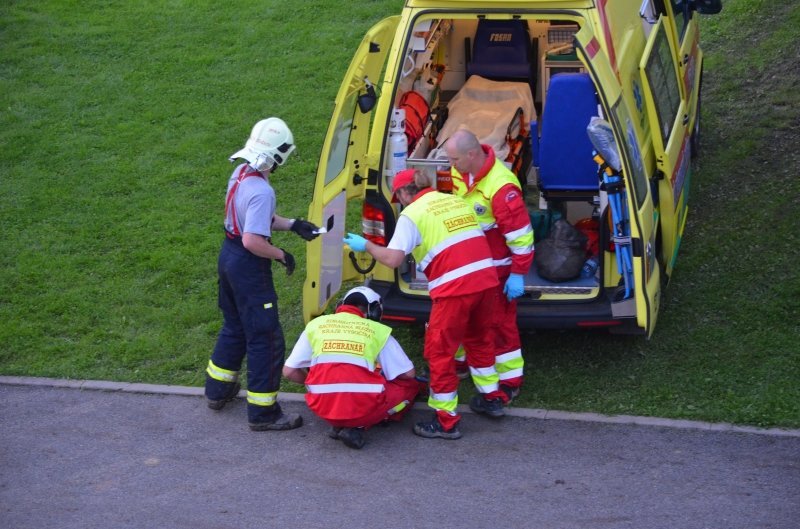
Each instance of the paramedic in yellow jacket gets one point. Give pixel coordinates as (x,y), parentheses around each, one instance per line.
(496,197)
(442,233)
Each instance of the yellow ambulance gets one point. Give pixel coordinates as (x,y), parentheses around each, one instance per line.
(540,81)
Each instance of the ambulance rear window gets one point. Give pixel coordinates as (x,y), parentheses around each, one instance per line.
(663,79)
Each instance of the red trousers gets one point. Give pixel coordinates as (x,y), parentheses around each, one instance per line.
(506,331)
(465,319)
(506,336)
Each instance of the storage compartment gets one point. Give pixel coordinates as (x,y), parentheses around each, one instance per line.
(442,67)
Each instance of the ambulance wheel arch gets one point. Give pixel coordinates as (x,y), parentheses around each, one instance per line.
(343,170)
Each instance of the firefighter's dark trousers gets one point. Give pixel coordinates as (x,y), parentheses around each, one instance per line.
(251,327)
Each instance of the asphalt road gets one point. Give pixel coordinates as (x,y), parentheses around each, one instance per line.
(81,458)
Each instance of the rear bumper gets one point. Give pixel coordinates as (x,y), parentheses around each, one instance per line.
(400,309)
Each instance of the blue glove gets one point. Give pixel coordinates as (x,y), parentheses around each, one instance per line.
(356,242)
(514,286)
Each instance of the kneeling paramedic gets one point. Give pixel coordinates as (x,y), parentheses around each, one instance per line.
(355,372)
(443,234)
(247,295)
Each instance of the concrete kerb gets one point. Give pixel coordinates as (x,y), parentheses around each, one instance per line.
(527,413)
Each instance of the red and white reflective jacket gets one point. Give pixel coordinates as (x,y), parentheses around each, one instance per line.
(342,382)
(454,253)
(496,197)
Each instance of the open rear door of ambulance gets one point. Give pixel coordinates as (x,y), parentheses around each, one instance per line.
(342,169)
(668,114)
(690,61)
(686,17)
(643,301)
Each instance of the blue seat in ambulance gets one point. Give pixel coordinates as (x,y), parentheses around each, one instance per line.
(501,51)
(564,154)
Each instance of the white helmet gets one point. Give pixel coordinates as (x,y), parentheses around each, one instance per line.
(270,144)
(364,296)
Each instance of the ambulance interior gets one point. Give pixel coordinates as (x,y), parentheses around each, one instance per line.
(519,86)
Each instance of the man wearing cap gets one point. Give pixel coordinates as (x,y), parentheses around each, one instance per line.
(443,234)
(247,295)
(355,372)
(495,195)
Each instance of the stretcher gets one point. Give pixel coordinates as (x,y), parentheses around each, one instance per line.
(497,112)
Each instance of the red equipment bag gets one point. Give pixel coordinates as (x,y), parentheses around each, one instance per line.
(591,229)
(417,115)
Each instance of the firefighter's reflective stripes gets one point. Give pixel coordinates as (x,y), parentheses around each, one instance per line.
(342,359)
(447,243)
(446,402)
(262,399)
(223,375)
(460,272)
(502,262)
(509,365)
(320,389)
(485,378)
(397,409)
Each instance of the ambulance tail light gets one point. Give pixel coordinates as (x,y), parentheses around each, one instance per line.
(373,224)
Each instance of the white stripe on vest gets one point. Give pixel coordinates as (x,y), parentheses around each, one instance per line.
(341,359)
(450,241)
(460,272)
(344,388)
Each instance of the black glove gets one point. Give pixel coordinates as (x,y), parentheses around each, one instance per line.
(288,262)
(304,229)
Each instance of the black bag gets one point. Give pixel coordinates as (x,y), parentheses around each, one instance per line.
(560,256)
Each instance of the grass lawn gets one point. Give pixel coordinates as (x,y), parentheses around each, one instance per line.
(116,121)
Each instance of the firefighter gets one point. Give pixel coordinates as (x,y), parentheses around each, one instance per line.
(355,372)
(247,295)
(495,195)
(443,234)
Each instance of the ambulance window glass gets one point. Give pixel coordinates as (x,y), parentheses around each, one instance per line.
(680,8)
(630,150)
(337,156)
(663,80)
